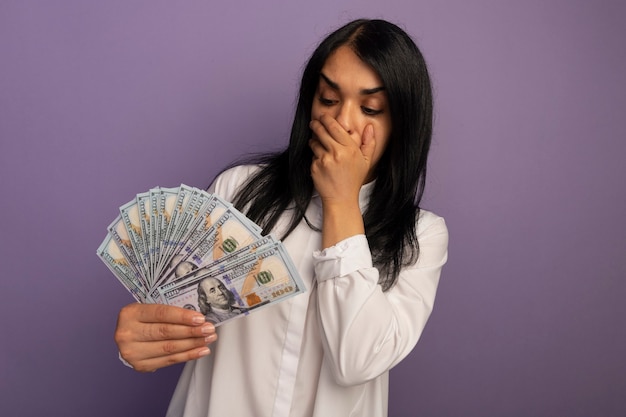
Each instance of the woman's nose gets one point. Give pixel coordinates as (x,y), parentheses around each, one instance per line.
(344,117)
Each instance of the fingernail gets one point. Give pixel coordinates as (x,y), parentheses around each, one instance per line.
(211,338)
(205,351)
(198,319)
(208,329)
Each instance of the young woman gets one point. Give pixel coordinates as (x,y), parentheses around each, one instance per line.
(344,197)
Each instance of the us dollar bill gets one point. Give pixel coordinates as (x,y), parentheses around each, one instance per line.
(214,239)
(210,210)
(210,265)
(117,231)
(166,243)
(188,218)
(143,207)
(167,207)
(261,279)
(183,196)
(155,226)
(129,213)
(113,258)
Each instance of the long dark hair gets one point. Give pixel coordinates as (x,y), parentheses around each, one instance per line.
(284,181)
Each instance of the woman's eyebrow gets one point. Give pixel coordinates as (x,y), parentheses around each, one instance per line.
(335,86)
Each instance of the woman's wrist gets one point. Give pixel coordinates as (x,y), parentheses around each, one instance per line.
(341,220)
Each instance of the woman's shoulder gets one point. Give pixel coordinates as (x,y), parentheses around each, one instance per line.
(432,235)
(429,222)
(238,172)
(228,182)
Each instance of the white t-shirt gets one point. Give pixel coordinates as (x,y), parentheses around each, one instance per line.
(326,352)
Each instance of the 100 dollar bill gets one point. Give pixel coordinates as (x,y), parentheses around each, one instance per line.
(262,278)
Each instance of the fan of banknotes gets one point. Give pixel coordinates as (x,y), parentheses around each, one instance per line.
(189,248)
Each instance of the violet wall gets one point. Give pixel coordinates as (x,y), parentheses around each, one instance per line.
(102,100)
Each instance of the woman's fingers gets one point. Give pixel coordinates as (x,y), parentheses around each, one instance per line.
(317,148)
(330,130)
(368,143)
(161,313)
(151,336)
(164,348)
(140,323)
(165,331)
(328,134)
(328,140)
(325,144)
(152,364)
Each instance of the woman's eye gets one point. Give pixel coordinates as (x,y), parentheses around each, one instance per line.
(326,101)
(370,112)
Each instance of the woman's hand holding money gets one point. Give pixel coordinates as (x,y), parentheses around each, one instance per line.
(153,336)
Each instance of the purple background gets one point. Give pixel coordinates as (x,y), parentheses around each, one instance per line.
(102,100)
